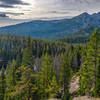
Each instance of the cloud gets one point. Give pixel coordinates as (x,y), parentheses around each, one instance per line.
(6,6)
(49,8)
(15,14)
(11,3)
(75,7)
(3,15)
(6,14)
(55,12)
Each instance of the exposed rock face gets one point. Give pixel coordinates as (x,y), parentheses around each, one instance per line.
(74,85)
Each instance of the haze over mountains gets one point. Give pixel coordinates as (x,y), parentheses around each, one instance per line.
(83,24)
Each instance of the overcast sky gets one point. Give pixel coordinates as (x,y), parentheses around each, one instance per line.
(47,8)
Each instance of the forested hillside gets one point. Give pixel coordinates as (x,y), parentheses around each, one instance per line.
(75,39)
(11,46)
(41,70)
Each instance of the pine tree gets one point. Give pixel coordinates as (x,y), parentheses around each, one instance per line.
(53,87)
(11,80)
(2,84)
(18,60)
(65,76)
(94,50)
(97,87)
(27,54)
(46,75)
(90,64)
(7,94)
(26,84)
(85,80)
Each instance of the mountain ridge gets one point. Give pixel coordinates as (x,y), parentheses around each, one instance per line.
(53,29)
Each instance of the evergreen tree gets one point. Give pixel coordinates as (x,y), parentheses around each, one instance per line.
(53,87)
(18,60)
(2,84)
(46,75)
(26,84)
(85,80)
(11,80)
(94,50)
(97,87)
(89,71)
(65,76)
(27,54)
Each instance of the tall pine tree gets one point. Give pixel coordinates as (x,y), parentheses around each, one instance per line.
(97,86)
(90,64)
(26,84)
(2,84)
(11,80)
(65,76)
(47,76)
(27,54)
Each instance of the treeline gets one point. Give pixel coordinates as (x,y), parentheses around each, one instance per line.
(11,46)
(76,39)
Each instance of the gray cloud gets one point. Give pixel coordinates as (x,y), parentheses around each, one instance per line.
(50,8)
(6,14)
(6,6)
(70,5)
(3,15)
(15,14)
(57,12)
(11,3)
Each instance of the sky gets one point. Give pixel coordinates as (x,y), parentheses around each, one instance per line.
(32,9)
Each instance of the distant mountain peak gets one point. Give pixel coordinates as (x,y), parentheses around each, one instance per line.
(84,14)
(98,13)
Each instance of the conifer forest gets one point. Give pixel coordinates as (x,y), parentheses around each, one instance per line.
(34,69)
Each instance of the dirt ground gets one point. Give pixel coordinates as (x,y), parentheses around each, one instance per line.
(54,99)
(81,98)
(85,98)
